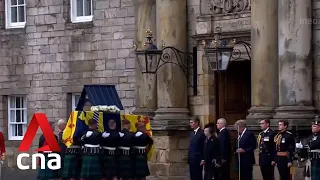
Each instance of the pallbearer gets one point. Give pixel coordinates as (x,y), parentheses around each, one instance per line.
(109,143)
(91,165)
(142,145)
(315,150)
(124,150)
(72,160)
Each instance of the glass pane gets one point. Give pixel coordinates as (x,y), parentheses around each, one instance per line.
(18,115)
(13,130)
(76,99)
(12,102)
(19,130)
(18,103)
(21,1)
(22,103)
(21,15)
(12,116)
(14,14)
(13,2)
(22,116)
(79,7)
(87,7)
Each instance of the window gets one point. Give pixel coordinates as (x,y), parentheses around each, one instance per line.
(75,100)
(17,117)
(81,11)
(15,13)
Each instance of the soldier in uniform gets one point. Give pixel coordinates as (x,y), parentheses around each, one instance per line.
(109,144)
(124,151)
(91,166)
(142,143)
(266,148)
(2,151)
(285,148)
(315,150)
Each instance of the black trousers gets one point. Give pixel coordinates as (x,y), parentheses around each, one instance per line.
(195,172)
(282,164)
(267,172)
(246,172)
(224,171)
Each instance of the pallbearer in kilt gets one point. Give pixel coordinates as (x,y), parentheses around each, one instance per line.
(124,150)
(142,143)
(109,143)
(315,150)
(72,161)
(91,164)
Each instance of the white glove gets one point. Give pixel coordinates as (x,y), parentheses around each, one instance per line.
(299,145)
(138,134)
(105,134)
(121,134)
(89,133)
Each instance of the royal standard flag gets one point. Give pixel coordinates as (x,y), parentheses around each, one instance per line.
(134,120)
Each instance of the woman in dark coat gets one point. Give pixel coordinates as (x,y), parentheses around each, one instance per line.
(142,143)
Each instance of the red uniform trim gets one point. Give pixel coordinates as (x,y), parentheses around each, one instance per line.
(2,145)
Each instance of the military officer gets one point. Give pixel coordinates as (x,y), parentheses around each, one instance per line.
(285,148)
(315,150)
(266,148)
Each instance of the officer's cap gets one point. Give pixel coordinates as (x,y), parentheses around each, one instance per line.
(316,121)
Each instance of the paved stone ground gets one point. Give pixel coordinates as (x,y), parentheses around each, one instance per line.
(17,174)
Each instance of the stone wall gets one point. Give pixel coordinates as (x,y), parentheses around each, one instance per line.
(52,57)
(316,48)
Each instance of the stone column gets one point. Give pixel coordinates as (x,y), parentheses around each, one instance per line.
(295,62)
(146,84)
(264,63)
(172,112)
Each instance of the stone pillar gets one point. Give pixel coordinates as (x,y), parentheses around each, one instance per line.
(295,62)
(146,84)
(172,112)
(264,63)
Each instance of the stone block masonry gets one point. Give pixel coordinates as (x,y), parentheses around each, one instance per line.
(52,57)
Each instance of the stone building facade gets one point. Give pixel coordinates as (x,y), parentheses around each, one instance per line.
(50,49)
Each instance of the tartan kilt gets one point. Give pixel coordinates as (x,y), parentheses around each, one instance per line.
(91,167)
(46,174)
(315,169)
(109,165)
(141,168)
(71,166)
(125,166)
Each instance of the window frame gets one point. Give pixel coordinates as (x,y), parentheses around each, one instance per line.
(73,13)
(25,117)
(9,23)
(73,101)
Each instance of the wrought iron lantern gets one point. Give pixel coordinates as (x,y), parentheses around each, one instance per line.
(150,59)
(221,51)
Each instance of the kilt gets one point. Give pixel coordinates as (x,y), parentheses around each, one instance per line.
(91,167)
(141,168)
(71,166)
(46,174)
(315,169)
(109,165)
(125,166)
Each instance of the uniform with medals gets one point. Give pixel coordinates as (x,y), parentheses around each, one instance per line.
(285,148)
(314,154)
(72,160)
(109,144)
(140,150)
(91,165)
(266,148)
(125,156)
(46,173)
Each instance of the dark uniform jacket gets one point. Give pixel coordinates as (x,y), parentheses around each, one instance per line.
(212,155)
(225,144)
(266,147)
(285,143)
(247,142)
(315,142)
(195,152)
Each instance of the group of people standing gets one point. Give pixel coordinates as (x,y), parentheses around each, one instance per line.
(211,151)
(110,155)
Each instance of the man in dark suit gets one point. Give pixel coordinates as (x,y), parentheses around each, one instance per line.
(267,150)
(195,152)
(225,148)
(245,150)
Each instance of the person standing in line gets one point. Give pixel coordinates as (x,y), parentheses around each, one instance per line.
(195,151)
(245,150)
(212,156)
(2,151)
(225,148)
(142,143)
(266,148)
(125,163)
(315,150)
(61,125)
(285,148)
(110,141)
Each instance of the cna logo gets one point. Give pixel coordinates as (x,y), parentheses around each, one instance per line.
(53,160)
